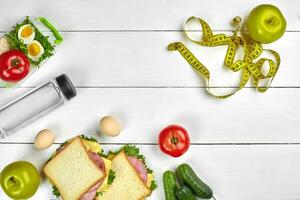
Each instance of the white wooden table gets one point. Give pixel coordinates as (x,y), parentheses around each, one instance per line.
(246,147)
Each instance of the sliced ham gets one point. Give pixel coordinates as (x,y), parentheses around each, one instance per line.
(97,160)
(139,167)
(90,195)
(136,163)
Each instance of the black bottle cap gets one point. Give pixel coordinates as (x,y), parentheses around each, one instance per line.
(66,86)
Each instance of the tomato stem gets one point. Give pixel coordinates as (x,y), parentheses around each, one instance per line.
(15,62)
(174,140)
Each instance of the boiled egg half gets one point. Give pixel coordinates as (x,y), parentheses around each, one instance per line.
(35,50)
(26,33)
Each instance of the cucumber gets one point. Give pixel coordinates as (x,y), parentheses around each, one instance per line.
(188,177)
(170,185)
(185,193)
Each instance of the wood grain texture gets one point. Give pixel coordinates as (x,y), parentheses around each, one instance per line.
(232,171)
(245,147)
(131,59)
(138,15)
(248,117)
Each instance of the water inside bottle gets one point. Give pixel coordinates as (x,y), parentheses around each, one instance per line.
(24,109)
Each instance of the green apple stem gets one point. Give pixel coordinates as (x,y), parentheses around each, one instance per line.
(272,21)
(12,179)
(236,22)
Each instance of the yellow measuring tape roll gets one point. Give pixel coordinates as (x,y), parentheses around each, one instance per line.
(252,50)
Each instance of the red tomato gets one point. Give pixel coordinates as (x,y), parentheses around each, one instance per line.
(174,140)
(14,66)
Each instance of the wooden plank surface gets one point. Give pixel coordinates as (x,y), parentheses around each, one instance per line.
(139,15)
(134,59)
(248,117)
(231,170)
(245,147)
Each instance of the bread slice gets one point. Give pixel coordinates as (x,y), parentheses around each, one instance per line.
(72,171)
(127,184)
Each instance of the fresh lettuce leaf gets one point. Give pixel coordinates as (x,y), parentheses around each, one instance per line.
(102,154)
(153,185)
(111,176)
(89,138)
(15,43)
(55,191)
(99,194)
(131,150)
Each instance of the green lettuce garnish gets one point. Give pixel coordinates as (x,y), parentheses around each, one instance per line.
(15,43)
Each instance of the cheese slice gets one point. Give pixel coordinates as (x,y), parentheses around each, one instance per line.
(105,185)
(150,178)
(92,146)
(96,148)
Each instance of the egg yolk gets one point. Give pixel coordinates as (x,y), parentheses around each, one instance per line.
(33,49)
(26,32)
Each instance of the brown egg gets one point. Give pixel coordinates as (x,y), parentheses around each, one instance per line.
(44,139)
(109,126)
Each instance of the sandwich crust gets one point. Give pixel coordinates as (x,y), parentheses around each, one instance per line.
(72,170)
(127,184)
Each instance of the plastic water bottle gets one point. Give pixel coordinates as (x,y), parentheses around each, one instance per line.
(35,104)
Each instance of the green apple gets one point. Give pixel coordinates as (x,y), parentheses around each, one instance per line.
(20,180)
(266,23)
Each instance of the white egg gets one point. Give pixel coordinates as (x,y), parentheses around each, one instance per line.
(44,139)
(109,126)
(26,33)
(35,50)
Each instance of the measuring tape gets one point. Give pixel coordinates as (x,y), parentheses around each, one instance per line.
(252,50)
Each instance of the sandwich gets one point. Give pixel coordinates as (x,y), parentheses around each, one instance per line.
(134,180)
(79,170)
